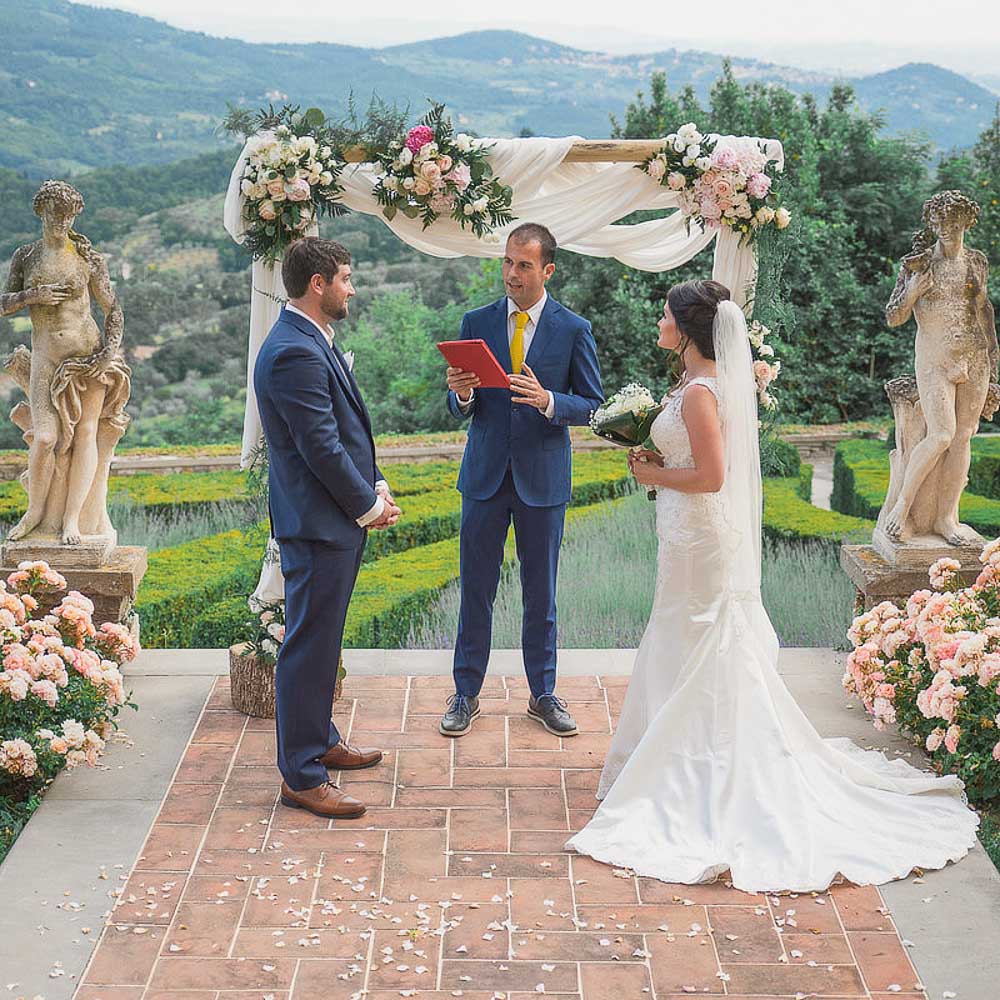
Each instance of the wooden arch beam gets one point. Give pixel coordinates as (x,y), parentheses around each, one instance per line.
(582,151)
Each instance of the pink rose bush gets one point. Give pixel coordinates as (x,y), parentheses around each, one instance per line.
(430,171)
(933,668)
(731,185)
(61,684)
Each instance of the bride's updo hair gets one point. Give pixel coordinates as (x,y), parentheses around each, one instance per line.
(693,305)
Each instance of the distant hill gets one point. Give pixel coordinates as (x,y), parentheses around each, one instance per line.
(84,87)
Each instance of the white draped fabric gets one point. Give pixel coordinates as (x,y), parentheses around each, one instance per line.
(579,202)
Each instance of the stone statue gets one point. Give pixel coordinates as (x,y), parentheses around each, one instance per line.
(943,284)
(75,377)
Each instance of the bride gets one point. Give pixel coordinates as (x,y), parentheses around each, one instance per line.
(713,766)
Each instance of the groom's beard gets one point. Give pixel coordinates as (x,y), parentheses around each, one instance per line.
(334,311)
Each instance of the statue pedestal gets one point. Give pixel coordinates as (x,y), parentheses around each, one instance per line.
(108,574)
(877,579)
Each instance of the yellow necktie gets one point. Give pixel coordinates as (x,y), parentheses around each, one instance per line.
(517,342)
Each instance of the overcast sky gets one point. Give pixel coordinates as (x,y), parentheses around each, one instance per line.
(848,34)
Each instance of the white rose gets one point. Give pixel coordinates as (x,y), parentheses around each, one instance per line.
(247,187)
(765,351)
(703,163)
(326,152)
(390,184)
(765,215)
(679,145)
(326,178)
(693,152)
(467,209)
(480,204)
(269,646)
(463,142)
(408,183)
(405,156)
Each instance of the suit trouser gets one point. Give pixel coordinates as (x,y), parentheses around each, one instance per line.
(538,533)
(319,580)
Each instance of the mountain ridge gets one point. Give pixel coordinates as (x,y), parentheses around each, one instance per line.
(84,87)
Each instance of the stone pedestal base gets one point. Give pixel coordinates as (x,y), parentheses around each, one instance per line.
(111,583)
(93,550)
(875,579)
(922,551)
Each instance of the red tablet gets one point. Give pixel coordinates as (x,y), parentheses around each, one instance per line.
(476,356)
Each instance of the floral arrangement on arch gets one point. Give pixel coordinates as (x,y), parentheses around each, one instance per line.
(933,668)
(766,367)
(731,185)
(61,684)
(430,171)
(290,178)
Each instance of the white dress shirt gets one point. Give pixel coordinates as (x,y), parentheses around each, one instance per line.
(376,510)
(534,313)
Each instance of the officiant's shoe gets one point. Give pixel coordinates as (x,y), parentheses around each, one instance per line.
(344,757)
(462,710)
(323,800)
(551,712)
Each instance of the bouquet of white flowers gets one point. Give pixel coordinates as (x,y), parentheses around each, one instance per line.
(626,418)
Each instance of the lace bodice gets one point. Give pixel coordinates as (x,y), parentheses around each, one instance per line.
(675,511)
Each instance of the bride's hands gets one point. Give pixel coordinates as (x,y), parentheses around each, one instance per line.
(645,465)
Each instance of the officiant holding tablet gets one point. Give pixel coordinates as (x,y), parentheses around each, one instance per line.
(517,467)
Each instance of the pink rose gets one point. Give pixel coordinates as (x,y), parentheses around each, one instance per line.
(444,162)
(710,210)
(430,172)
(934,740)
(656,168)
(276,188)
(951,738)
(421,188)
(723,188)
(298,190)
(758,185)
(676,180)
(996,752)
(419,136)
(266,210)
(45,690)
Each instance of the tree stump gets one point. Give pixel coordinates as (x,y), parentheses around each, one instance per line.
(253,682)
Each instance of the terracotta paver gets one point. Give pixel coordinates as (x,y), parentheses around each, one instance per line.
(454,883)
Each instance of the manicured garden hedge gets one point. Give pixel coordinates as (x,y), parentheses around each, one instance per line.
(183,583)
(389,598)
(789,517)
(861,480)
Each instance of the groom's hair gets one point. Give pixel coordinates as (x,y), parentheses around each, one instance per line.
(308,256)
(535,232)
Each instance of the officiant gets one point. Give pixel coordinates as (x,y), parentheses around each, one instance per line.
(517,469)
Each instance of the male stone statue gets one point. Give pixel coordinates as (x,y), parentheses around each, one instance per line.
(943,285)
(75,377)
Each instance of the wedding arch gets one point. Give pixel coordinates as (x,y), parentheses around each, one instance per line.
(578,188)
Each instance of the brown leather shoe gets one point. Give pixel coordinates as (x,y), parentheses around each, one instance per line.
(343,757)
(324,800)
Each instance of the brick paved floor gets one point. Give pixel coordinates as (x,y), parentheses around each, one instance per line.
(455,883)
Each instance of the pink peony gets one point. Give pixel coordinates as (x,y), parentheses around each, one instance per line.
(418,137)
(725,159)
(460,176)
(758,185)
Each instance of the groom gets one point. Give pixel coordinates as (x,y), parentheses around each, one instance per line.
(325,492)
(516,468)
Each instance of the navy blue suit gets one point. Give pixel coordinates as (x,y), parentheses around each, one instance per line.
(321,478)
(517,467)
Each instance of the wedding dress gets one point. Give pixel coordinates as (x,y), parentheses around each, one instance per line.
(714,766)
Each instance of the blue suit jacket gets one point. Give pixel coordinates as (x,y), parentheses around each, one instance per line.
(563,357)
(321,453)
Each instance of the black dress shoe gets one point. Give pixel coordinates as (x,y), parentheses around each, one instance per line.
(551,712)
(457,721)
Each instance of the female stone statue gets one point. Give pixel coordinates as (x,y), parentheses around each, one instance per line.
(943,286)
(75,377)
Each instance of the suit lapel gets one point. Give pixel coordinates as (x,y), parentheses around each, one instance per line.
(544,333)
(498,340)
(347,383)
